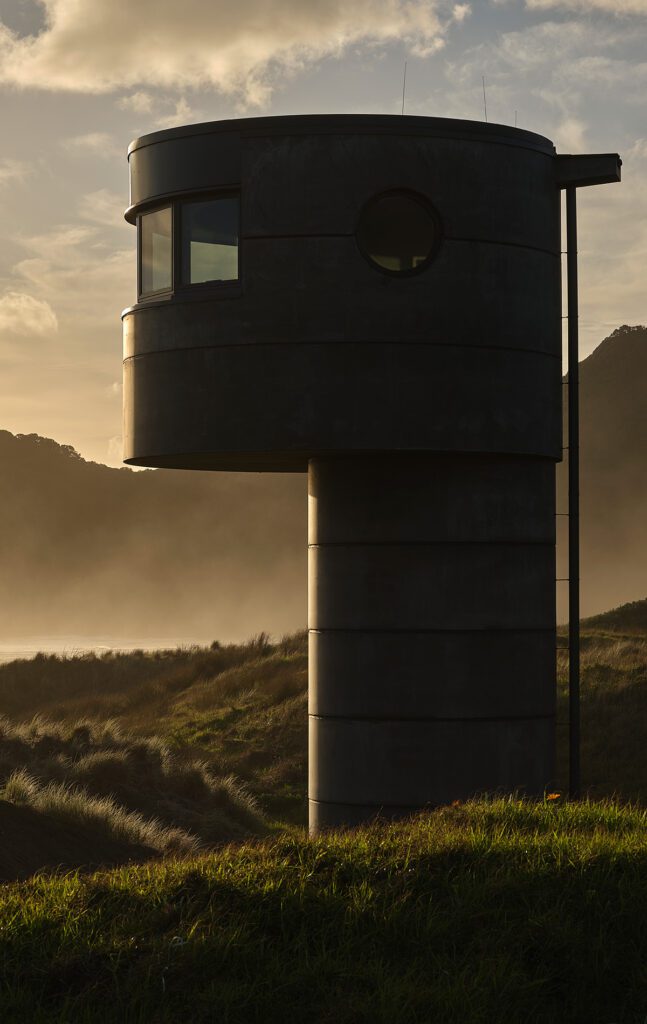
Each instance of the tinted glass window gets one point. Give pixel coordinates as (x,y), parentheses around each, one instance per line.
(210,241)
(156,251)
(398,232)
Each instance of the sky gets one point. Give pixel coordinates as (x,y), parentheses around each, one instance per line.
(80,78)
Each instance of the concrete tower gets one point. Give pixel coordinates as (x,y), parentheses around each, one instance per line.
(375,301)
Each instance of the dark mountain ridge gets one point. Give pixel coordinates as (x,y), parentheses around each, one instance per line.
(627,620)
(89,549)
(613,473)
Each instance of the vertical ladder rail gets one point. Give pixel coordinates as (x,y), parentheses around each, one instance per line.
(574,783)
(573,172)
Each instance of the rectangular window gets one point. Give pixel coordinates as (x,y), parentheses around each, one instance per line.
(210,240)
(156,251)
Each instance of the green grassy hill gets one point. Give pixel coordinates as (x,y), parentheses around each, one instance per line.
(482,912)
(241,710)
(501,912)
(119,758)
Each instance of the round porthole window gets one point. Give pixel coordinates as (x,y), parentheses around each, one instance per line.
(399,232)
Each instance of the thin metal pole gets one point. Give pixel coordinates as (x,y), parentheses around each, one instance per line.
(404,86)
(573,498)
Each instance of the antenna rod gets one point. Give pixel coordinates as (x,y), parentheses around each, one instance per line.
(484,99)
(573,500)
(404,85)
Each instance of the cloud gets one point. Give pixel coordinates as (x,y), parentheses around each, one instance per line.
(139,102)
(587,6)
(21,313)
(569,136)
(103,207)
(612,244)
(67,389)
(62,245)
(78,268)
(183,113)
(107,45)
(601,70)
(550,43)
(115,450)
(553,71)
(91,142)
(573,80)
(461,11)
(12,170)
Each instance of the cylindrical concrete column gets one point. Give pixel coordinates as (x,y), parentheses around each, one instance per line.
(432,631)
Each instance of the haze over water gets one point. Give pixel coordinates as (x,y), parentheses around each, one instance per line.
(74,644)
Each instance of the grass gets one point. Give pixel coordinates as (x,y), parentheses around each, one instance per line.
(241,710)
(487,912)
(85,769)
(490,911)
(195,748)
(101,817)
(614,727)
(116,684)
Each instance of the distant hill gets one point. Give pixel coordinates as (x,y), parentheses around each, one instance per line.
(89,549)
(613,485)
(627,619)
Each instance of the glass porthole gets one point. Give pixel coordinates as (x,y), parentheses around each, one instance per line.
(398,232)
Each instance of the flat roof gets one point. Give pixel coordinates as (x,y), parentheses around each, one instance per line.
(356,124)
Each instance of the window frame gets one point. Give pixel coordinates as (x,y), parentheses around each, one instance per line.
(423,201)
(160,292)
(178,250)
(180,289)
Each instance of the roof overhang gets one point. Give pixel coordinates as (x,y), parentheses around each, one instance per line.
(590,169)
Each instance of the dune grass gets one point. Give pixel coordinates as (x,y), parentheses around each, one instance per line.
(240,709)
(100,777)
(114,684)
(486,912)
(101,817)
(614,724)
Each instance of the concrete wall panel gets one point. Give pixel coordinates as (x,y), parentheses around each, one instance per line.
(413,498)
(303,290)
(282,401)
(427,762)
(312,175)
(317,185)
(452,674)
(433,586)
(196,163)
